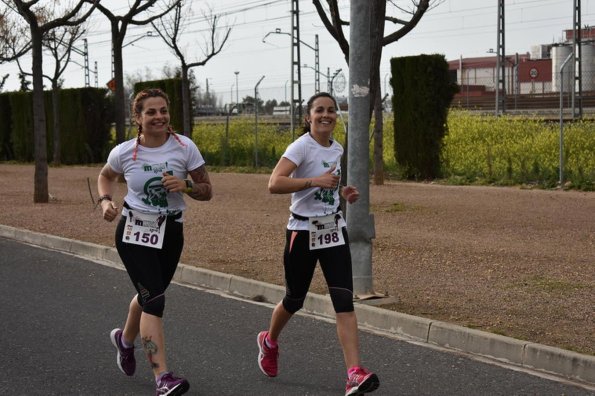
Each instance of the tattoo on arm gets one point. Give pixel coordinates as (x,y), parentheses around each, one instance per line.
(201,190)
(308,184)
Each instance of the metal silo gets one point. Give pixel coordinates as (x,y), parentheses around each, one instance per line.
(588,66)
(559,54)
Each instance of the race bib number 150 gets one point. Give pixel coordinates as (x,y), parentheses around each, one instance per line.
(145,229)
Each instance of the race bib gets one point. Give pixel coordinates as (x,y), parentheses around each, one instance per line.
(145,229)
(325,232)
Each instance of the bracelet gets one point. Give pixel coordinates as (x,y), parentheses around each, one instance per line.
(189,186)
(104,197)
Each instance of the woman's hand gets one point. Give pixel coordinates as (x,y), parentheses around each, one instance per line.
(350,194)
(327,180)
(110,210)
(172,183)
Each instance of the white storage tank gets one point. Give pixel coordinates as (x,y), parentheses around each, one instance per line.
(559,54)
(587,66)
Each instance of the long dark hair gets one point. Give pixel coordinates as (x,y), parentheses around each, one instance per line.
(309,107)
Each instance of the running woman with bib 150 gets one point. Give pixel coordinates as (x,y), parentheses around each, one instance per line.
(310,169)
(149,235)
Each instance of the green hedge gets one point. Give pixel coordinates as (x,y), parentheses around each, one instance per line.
(6,151)
(422,95)
(21,127)
(85,120)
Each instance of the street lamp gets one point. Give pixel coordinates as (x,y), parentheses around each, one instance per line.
(146,34)
(256,121)
(295,44)
(328,77)
(316,55)
(333,79)
(237,94)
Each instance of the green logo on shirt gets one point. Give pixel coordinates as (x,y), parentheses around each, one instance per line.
(156,193)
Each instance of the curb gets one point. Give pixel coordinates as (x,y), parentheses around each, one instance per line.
(526,354)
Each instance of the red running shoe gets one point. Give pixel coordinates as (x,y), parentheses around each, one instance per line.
(267,357)
(360,382)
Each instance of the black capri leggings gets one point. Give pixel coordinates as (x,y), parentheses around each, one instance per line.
(300,263)
(151,270)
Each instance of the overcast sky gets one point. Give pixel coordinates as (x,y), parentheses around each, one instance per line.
(454,28)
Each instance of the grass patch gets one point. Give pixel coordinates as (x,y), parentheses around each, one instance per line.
(549,285)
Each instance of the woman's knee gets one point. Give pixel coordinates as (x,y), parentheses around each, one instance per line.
(342,299)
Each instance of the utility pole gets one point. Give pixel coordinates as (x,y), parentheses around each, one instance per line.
(360,222)
(500,62)
(296,73)
(85,54)
(577,88)
(96,77)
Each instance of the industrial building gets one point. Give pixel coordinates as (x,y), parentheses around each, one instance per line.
(532,80)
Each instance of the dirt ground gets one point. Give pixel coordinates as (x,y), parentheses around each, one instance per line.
(506,260)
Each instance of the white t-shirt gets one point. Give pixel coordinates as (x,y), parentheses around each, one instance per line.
(313,160)
(143,175)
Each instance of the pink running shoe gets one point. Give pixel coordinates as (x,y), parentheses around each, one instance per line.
(267,357)
(360,382)
(125,356)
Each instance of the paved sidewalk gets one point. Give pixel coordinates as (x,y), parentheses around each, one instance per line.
(538,357)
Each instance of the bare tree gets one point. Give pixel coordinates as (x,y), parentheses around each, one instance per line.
(170,31)
(119,27)
(13,35)
(35,15)
(59,42)
(333,22)
(3,81)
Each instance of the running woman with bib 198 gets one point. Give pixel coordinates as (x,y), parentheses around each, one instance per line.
(310,169)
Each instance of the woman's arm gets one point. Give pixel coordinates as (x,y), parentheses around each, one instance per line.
(105,182)
(281,182)
(202,190)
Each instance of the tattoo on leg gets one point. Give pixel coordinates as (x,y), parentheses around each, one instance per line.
(150,349)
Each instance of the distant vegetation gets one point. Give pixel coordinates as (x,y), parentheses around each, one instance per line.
(478,149)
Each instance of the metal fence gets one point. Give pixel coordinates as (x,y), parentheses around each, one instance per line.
(478,92)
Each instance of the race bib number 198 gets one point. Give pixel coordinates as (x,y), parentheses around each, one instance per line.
(325,232)
(145,229)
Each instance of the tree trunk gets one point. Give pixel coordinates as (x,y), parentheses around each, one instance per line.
(377,13)
(378,136)
(40,194)
(57,133)
(119,101)
(186,103)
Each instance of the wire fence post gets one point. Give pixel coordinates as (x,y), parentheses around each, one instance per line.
(561,180)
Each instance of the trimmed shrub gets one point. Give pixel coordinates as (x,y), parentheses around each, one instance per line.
(422,94)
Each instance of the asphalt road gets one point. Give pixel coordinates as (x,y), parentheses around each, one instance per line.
(57,311)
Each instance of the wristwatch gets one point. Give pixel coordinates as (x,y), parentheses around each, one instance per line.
(189,186)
